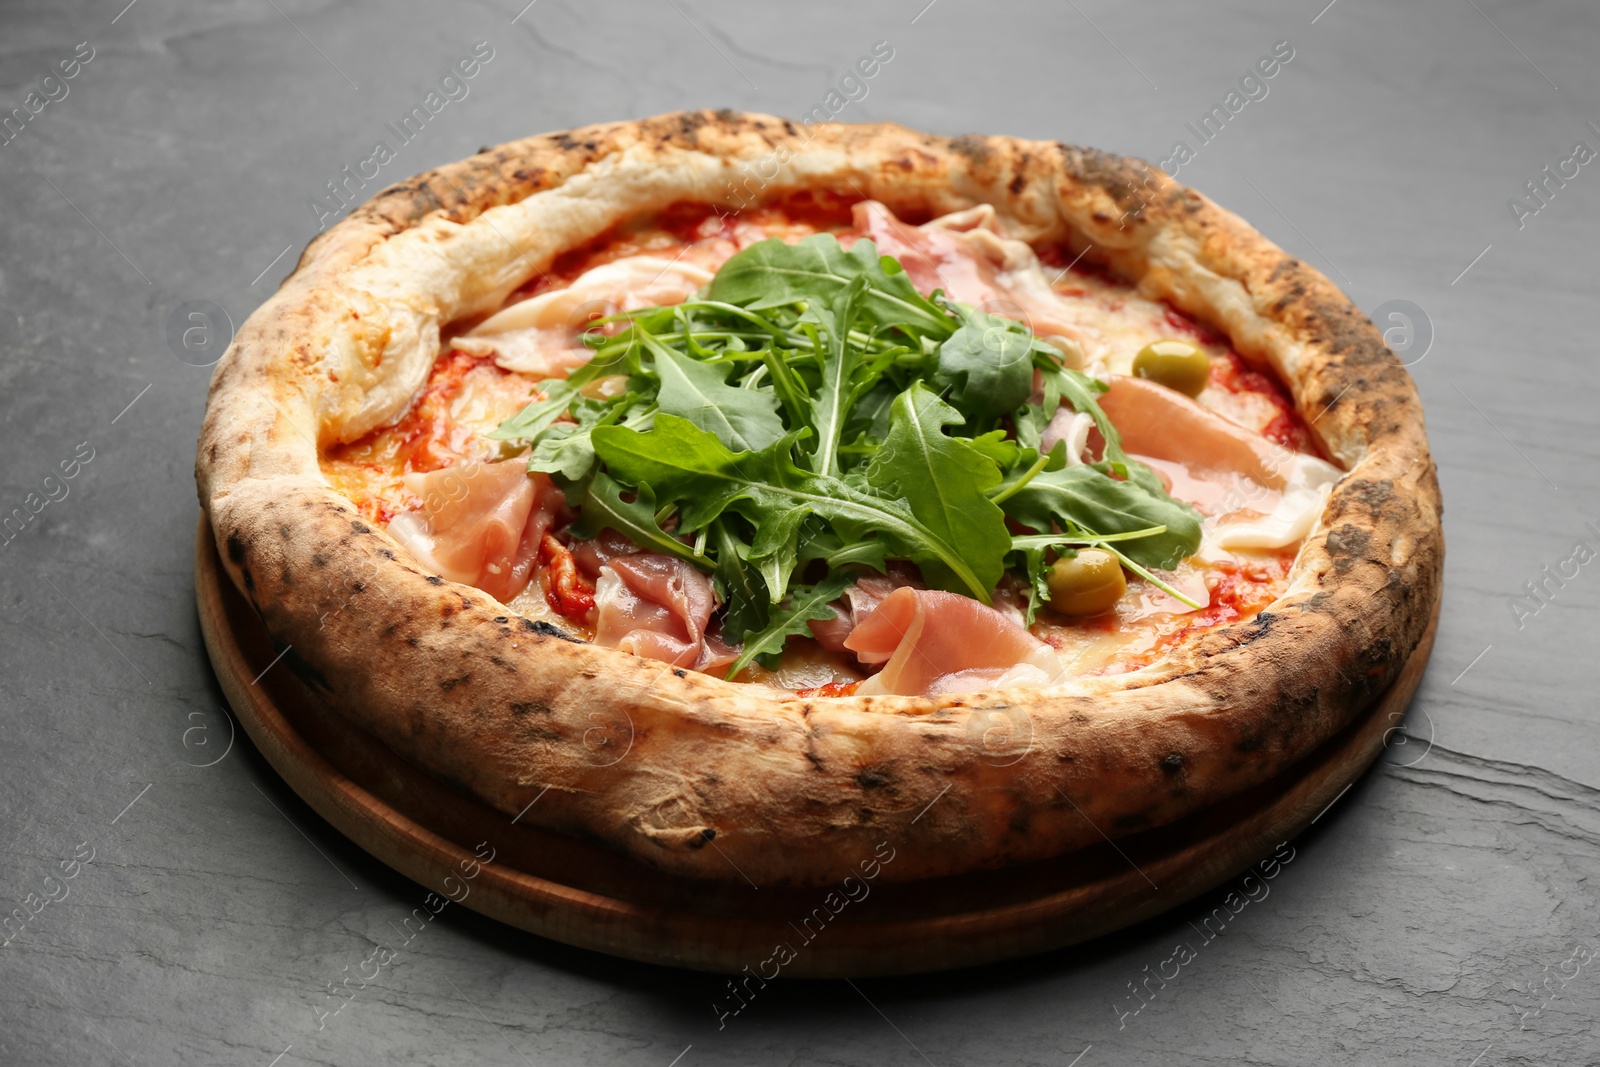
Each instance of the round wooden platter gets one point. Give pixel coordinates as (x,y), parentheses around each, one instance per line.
(584,894)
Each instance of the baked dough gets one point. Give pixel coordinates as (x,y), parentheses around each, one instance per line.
(713,779)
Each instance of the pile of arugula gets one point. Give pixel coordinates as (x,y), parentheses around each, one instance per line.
(811,415)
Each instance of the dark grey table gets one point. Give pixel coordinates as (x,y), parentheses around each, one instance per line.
(1443,911)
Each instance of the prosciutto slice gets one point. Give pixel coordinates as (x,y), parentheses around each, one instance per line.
(859,601)
(968,255)
(933,642)
(1256,494)
(659,607)
(480,523)
(541,336)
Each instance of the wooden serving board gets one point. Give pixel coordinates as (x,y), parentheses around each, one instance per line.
(586,895)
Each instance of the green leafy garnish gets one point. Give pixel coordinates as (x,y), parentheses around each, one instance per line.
(811,415)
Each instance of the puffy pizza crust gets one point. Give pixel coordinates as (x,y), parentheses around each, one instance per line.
(662,763)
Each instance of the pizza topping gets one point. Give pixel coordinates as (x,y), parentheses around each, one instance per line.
(930,641)
(793,415)
(658,607)
(860,600)
(1257,494)
(543,335)
(480,523)
(770,453)
(1087,582)
(1175,364)
(567,591)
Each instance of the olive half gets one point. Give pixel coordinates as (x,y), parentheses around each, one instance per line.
(1175,364)
(1087,583)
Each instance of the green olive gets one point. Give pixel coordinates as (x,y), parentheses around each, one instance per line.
(1086,584)
(1175,364)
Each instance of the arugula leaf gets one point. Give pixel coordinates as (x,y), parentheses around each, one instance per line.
(773,273)
(565,451)
(604,509)
(683,463)
(987,364)
(830,405)
(1035,570)
(1085,499)
(943,480)
(745,420)
(791,620)
(747,605)
(541,414)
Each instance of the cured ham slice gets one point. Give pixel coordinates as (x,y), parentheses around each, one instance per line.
(542,336)
(968,256)
(1256,494)
(935,257)
(1163,423)
(657,606)
(1070,426)
(480,523)
(935,642)
(859,601)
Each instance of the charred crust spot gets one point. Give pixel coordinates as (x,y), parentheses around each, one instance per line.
(1347,545)
(236,548)
(708,834)
(385,553)
(1293,295)
(1286,265)
(357,526)
(412,641)
(1248,743)
(1017,183)
(1261,626)
(318,560)
(1373,494)
(434,579)
(1322,601)
(501,618)
(680,672)
(545,629)
(283,531)
(975,149)
(1172,763)
(450,683)
(873,778)
(530,707)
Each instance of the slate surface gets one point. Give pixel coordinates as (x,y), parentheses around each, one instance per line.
(1443,912)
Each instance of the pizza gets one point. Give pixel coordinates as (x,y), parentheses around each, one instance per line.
(743,496)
